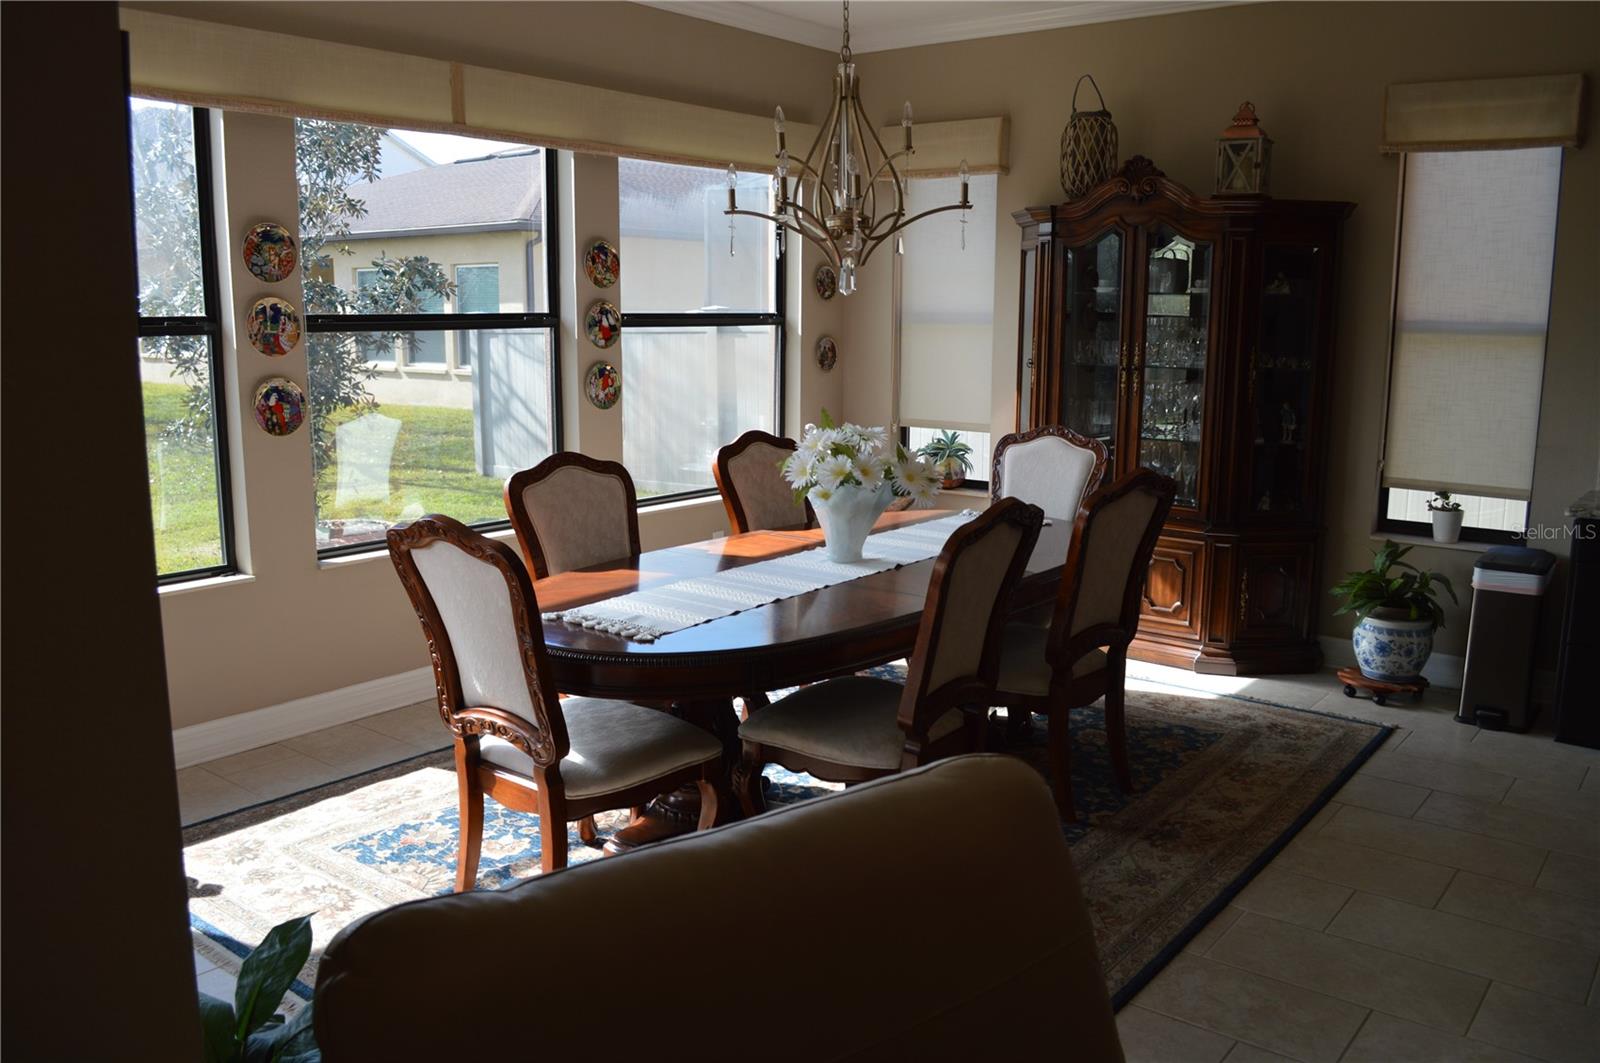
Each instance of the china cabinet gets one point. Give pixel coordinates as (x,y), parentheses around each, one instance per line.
(1194,335)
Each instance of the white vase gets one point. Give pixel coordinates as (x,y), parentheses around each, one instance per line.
(1446,525)
(848,517)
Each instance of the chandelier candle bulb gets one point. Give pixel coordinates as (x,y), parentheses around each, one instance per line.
(905,124)
(778,124)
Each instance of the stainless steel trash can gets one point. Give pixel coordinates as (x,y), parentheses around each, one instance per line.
(1508,583)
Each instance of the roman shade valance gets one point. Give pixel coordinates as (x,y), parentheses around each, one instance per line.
(1526,112)
(235,68)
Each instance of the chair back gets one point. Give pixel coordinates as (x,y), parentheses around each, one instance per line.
(754,491)
(572,511)
(481,621)
(957,656)
(1051,466)
(1115,534)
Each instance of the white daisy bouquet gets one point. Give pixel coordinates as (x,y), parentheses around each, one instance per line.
(836,457)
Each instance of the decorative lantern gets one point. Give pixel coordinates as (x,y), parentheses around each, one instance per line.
(1088,145)
(1244,154)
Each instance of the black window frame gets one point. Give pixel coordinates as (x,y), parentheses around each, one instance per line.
(549,320)
(717,319)
(1488,536)
(209,325)
(968,484)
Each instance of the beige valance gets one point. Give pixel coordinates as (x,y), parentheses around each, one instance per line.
(1546,111)
(235,68)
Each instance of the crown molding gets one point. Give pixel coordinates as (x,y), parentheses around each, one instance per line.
(768,23)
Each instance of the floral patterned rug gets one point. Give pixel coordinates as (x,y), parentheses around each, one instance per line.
(1221,784)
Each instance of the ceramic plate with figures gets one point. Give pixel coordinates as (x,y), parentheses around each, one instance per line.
(280,405)
(269,251)
(603,322)
(827,281)
(274,326)
(603,385)
(827,353)
(602,263)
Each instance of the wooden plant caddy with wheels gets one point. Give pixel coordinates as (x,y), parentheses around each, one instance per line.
(1381,689)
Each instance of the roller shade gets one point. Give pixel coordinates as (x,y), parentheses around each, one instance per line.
(1493,113)
(947,306)
(1472,300)
(210,64)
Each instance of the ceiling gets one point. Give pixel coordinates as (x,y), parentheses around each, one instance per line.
(878,25)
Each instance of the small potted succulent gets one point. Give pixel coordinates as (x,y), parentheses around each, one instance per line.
(950,456)
(1399,610)
(1446,517)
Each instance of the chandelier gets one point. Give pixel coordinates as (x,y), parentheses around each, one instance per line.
(847,196)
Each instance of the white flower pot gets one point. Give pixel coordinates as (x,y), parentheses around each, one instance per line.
(848,517)
(1446,525)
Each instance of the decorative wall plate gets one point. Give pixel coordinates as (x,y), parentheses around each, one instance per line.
(280,405)
(603,385)
(274,326)
(827,281)
(827,353)
(270,252)
(603,322)
(602,263)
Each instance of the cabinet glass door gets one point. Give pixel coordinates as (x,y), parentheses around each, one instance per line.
(1282,371)
(1093,340)
(1177,330)
(1029,352)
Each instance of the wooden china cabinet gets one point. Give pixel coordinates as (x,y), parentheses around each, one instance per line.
(1194,335)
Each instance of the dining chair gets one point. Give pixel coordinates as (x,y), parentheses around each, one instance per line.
(1051,466)
(515,740)
(857,727)
(572,511)
(1082,655)
(754,492)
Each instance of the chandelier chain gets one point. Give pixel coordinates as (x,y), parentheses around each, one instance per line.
(844,50)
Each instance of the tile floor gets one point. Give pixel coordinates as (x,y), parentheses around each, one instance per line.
(1445,906)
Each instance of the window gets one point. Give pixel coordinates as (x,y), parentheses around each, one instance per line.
(981,456)
(414,273)
(179,334)
(703,347)
(946,333)
(1472,300)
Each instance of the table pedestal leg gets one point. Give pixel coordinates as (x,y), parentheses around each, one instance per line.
(670,815)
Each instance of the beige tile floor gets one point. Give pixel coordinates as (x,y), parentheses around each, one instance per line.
(1444,906)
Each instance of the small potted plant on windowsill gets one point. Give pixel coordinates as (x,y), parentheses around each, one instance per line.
(951,457)
(1446,517)
(1398,614)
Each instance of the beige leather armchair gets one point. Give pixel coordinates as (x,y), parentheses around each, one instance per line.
(877,923)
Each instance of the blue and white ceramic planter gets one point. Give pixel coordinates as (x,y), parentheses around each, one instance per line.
(1392,650)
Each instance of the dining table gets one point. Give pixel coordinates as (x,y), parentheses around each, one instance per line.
(697,672)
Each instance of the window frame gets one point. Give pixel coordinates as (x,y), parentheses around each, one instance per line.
(718,318)
(549,320)
(209,325)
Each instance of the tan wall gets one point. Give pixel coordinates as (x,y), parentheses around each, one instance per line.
(1317,74)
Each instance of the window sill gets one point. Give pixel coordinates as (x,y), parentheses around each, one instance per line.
(233,579)
(379,550)
(682,501)
(1428,540)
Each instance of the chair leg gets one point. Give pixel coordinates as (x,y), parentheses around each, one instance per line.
(1018,723)
(470,793)
(975,719)
(1116,721)
(709,798)
(552,830)
(747,781)
(753,702)
(1061,762)
(587,833)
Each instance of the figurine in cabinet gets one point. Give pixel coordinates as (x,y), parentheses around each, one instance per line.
(1289,422)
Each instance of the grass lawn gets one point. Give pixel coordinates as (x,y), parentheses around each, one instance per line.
(183,488)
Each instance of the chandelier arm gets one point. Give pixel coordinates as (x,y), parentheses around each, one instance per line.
(819,146)
(871,190)
(820,241)
(909,221)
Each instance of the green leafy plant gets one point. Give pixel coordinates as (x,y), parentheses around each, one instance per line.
(948,453)
(1440,503)
(250,1030)
(1395,586)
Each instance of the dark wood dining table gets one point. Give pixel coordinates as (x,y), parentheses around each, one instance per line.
(698,671)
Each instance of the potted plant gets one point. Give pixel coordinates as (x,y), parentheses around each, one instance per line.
(1399,610)
(250,1029)
(850,474)
(1446,517)
(951,457)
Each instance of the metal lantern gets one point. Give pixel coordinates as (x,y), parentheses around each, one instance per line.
(1244,155)
(1088,145)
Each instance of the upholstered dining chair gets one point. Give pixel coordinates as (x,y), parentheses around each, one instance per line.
(572,511)
(1051,466)
(754,492)
(859,727)
(1082,656)
(515,740)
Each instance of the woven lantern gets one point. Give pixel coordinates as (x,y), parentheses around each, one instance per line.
(1088,145)
(1244,154)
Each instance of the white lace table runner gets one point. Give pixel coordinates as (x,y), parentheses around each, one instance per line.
(644,616)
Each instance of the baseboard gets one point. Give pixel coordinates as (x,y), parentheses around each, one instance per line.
(1442,669)
(201,742)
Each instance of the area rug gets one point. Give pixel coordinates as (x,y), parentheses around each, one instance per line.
(1222,783)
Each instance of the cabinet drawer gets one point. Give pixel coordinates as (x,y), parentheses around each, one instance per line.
(1171,600)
